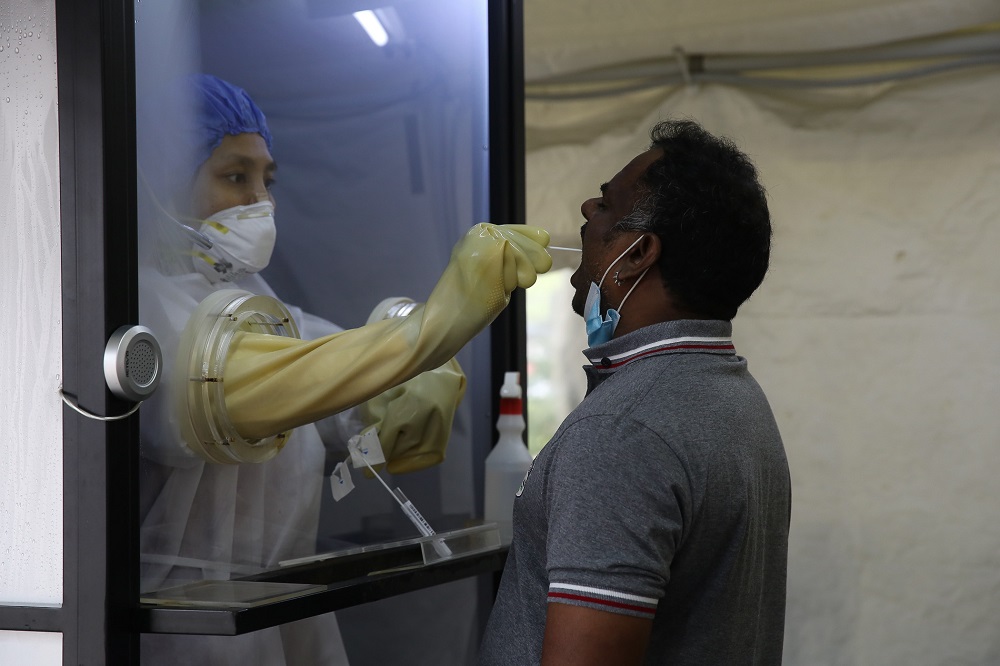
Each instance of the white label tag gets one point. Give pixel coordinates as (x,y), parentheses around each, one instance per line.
(365,446)
(341,482)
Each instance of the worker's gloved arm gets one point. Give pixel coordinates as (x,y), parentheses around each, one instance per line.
(274,383)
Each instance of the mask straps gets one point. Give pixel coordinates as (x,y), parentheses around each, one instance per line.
(195,235)
(634,243)
(622,304)
(629,293)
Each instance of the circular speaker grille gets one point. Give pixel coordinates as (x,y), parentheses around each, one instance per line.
(141,362)
(132,362)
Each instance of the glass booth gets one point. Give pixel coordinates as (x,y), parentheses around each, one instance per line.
(391,129)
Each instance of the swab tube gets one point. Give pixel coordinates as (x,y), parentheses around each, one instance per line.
(415,516)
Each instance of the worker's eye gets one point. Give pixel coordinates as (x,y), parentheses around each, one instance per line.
(236,178)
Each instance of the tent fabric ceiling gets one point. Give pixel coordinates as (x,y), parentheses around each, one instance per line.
(564,36)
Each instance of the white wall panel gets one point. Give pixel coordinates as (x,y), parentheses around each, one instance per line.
(37,648)
(31,490)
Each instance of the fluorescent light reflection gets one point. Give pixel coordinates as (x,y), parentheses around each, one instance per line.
(372,26)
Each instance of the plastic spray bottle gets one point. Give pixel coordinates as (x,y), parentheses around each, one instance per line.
(509,461)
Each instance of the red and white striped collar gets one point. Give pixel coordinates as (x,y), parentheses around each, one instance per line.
(683,344)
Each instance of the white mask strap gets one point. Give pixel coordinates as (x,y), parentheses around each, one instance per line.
(197,236)
(636,242)
(622,304)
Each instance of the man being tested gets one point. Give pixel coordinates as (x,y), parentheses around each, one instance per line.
(653,527)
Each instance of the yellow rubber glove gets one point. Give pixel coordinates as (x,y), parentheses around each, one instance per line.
(413,420)
(274,383)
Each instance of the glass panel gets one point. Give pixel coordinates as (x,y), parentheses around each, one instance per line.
(30,647)
(556,340)
(30,287)
(380,137)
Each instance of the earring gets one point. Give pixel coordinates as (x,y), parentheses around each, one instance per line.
(617,281)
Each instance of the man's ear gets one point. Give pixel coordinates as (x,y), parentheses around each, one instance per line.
(645,254)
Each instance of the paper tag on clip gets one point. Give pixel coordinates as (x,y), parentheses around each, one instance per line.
(365,446)
(341,482)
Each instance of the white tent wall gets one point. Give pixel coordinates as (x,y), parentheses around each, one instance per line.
(873,335)
(571,35)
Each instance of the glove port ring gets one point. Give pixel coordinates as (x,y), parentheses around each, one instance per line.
(199,389)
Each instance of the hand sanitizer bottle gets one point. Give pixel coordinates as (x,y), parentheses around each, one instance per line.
(509,461)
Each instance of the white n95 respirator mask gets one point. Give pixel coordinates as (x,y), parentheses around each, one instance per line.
(242,240)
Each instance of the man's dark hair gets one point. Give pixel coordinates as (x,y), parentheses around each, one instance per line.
(703,200)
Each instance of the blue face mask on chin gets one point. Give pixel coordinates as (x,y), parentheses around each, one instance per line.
(599,329)
(602,329)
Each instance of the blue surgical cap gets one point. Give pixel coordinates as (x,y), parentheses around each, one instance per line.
(221,109)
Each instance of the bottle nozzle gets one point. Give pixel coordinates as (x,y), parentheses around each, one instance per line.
(510,394)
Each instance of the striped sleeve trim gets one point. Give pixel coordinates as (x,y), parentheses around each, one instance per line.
(610,599)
